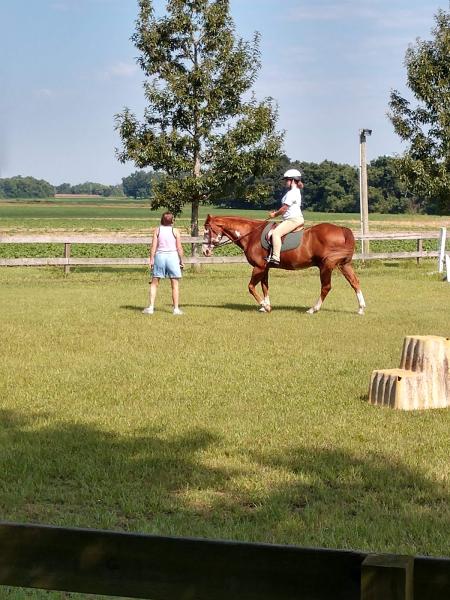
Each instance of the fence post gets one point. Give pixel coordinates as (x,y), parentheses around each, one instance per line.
(419,248)
(66,255)
(387,577)
(442,241)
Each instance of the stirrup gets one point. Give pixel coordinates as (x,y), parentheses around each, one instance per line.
(273,261)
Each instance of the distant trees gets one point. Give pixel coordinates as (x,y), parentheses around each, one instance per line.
(138,184)
(90,187)
(25,187)
(333,187)
(425,166)
(329,187)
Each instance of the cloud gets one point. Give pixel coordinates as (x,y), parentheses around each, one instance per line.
(120,69)
(44,93)
(66,5)
(380,12)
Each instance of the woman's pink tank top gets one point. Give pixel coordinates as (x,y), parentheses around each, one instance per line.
(166,239)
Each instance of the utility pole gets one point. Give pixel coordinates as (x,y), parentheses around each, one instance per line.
(363,193)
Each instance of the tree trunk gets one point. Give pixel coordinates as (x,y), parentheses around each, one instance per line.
(194,212)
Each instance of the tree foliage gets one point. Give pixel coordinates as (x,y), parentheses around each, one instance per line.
(90,187)
(197,130)
(138,184)
(425,166)
(25,187)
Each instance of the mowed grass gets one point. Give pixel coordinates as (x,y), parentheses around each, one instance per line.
(119,214)
(223,423)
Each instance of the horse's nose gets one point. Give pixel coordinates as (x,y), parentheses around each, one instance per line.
(206,250)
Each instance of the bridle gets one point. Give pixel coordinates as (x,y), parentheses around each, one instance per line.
(217,242)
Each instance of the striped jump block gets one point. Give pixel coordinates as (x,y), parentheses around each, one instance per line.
(421,382)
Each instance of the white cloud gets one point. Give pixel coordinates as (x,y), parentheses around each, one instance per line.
(380,12)
(120,69)
(44,93)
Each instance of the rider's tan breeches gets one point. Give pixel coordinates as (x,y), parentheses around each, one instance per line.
(282,229)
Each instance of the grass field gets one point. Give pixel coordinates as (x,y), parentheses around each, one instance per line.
(129,215)
(224,423)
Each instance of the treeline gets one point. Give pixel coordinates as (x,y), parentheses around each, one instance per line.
(90,187)
(29,187)
(329,187)
(334,187)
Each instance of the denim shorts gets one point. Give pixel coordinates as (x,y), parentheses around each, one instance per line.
(167,264)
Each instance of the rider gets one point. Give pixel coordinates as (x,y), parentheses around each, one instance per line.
(290,211)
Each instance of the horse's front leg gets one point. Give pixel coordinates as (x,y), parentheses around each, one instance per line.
(265,305)
(256,278)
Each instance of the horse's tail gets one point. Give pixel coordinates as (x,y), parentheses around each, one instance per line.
(342,255)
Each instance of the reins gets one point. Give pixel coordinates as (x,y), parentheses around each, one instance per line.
(230,240)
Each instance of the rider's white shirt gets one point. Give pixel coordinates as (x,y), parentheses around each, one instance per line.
(293,199)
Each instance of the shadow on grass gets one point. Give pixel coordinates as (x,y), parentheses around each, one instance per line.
(112,269)
(75,474)
(190,484)
(132,307)
(241,307)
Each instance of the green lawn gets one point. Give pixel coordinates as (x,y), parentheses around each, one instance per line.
(223,423)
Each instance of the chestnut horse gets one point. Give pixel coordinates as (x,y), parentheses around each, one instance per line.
(325,246)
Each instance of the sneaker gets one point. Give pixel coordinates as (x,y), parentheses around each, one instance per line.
(148,311)
(273,261)
(177,311)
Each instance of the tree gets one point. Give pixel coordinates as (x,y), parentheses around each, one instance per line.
(425,166)
(330,187)
(386,192)
(197,130)
(25,187)
(138,184)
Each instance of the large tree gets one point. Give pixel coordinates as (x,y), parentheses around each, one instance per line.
(202,129)
(425,166)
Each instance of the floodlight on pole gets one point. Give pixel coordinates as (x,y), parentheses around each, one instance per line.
(363,191)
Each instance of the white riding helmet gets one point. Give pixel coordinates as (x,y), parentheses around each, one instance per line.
(293,174)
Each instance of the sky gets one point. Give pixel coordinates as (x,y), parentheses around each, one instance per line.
(68,66)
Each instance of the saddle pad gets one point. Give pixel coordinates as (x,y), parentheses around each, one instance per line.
(288,242)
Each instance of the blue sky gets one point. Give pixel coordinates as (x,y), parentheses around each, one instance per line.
(68,67)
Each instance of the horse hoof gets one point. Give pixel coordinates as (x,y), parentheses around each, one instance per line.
(310,311)
(361,311)
(265,308)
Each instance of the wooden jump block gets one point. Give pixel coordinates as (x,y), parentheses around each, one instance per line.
(423,379)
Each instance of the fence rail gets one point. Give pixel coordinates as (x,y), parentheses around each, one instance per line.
(68,239)
(169,568)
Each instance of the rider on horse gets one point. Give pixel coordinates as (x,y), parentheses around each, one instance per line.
(290,211)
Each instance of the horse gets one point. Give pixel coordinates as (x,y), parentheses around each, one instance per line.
(325,245)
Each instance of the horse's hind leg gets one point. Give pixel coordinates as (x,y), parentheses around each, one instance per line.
(256,278)
(349,274)
(325,281)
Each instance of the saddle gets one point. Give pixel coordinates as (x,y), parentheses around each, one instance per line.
(288,242)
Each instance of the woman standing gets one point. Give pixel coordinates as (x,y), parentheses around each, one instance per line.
(166,260)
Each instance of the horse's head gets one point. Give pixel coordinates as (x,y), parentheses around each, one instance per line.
(212,237)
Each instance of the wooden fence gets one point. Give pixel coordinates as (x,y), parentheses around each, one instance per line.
(68,240)
(169,568)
